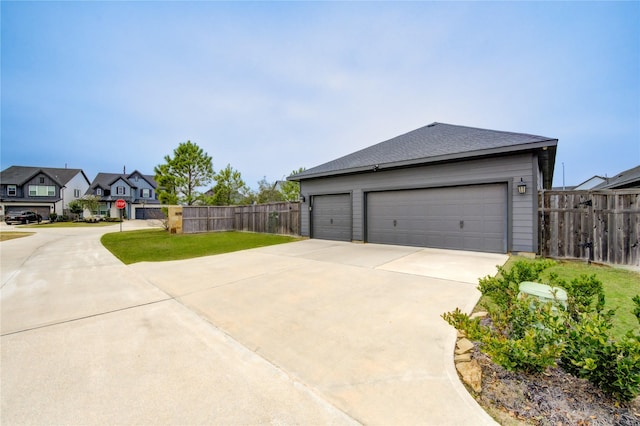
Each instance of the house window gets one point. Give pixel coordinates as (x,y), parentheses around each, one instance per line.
(145,193)
(98,191)
(41,179)
(120,190)
(42,191)
(12,191)
(76,193)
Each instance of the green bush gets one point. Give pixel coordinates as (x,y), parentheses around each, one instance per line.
(503,288)
(590,354)
(584,294)
(527,335)
(523,338)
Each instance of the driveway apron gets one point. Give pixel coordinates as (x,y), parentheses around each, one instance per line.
(358,324)
(87,341)
(312,332)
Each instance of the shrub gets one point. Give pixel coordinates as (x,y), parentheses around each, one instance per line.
(584,294)
(590,354)
(528,335)
(523,338)
(503,288)
(53,217)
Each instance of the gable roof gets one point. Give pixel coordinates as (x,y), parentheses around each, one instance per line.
(589,183)
(437,142)
(19,175)
(105,180)
(627,179)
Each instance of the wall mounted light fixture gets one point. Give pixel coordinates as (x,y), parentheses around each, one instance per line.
(301,198)
(522,187)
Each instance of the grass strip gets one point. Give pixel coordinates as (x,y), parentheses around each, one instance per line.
(619,284)
(11,235)
(157,245)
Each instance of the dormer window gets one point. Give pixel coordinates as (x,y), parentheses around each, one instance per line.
(98,191)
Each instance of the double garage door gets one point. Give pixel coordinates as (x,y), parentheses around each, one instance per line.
(42,211)
(463,218)
(149,213)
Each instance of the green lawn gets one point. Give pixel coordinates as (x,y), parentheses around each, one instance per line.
(10,235)
(156,245)
(620,285)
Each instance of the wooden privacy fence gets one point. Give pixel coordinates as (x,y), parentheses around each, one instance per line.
(602,226)
(272,218)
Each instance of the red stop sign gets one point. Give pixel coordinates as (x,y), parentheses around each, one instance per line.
(121,204)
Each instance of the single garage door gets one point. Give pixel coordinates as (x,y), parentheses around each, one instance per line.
(463,218)
(331,217)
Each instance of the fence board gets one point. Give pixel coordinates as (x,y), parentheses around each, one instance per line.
(272,218)
(603,226)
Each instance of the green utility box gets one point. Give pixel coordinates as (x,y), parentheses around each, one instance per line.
(544,292)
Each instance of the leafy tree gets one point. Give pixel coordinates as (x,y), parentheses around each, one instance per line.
(290,189)
(166,185)
(76,207)
(90,202)
(230,188)
(267,192)
(179,177)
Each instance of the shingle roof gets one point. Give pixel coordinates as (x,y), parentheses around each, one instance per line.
(105,180)
(627,179)
(18,175)
(434,142)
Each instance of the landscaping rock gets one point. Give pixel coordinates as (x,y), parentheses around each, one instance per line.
(466,357)
(464,345)
(479,314)
(471,374)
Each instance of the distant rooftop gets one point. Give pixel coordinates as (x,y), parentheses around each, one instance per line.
(627,179)
(18,175)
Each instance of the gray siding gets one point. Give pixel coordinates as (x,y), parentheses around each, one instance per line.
(508,169)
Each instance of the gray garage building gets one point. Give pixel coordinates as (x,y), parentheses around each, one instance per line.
(442,186)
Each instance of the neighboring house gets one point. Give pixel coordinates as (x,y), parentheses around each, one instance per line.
(44,190)
(136,189)
(590,183)
(627,179)
(442,186)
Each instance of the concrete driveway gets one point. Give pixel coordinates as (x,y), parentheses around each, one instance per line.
(313,332)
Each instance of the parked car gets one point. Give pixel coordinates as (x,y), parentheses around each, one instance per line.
(22,217)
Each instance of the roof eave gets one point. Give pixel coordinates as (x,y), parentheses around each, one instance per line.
(534,146)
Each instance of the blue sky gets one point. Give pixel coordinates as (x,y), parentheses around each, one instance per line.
(269,87)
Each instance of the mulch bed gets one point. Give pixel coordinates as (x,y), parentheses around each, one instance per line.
(553,398)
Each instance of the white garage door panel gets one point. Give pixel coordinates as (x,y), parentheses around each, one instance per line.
(463,218)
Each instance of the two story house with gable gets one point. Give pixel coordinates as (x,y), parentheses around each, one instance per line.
(44,190)
(136,189)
